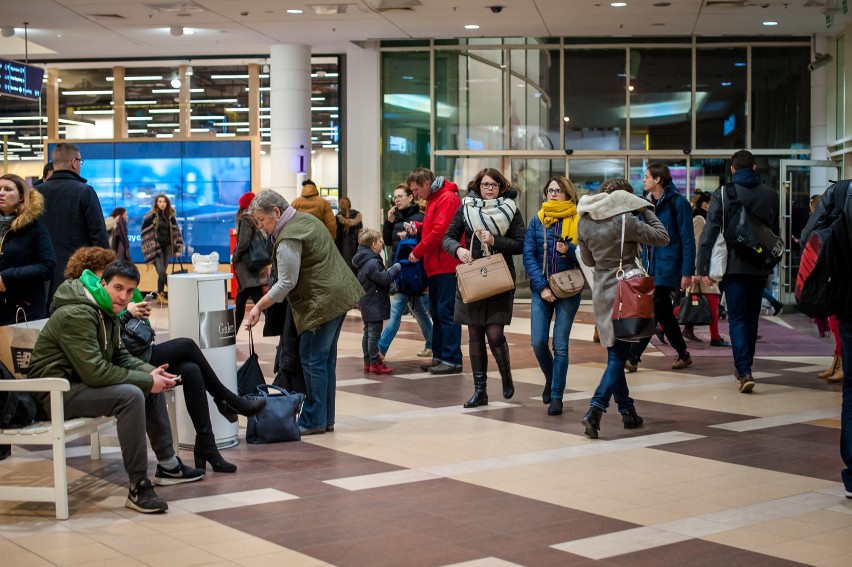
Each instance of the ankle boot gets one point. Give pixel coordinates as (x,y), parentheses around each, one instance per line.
(206,451)
(232,404)
(545,394)
(631,419)
(592,422)
(501,355)
(479,365)
(830,370)
(838,372)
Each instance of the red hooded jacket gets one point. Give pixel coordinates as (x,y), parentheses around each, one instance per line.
(441,205)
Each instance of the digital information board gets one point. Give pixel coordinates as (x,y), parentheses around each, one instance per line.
(20,80)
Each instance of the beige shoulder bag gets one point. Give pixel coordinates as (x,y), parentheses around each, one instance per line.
(484,277)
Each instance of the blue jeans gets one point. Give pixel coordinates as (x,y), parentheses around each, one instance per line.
(418,310)
(370,341)
(846,405)
(744,295)
(318,349)
(614,382)
(554,364)
(446,334)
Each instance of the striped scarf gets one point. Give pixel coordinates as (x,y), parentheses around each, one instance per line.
(493,215)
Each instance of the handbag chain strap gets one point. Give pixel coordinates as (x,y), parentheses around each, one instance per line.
(620,273)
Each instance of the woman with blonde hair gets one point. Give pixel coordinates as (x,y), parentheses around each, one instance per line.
(550,247)
(161,237)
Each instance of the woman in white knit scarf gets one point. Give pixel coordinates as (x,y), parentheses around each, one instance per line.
(489,216)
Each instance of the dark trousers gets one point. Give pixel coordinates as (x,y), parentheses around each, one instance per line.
(370,341)
(161,264)
(255,293)
(744,295)
(846,404)
(446,333)
(664,315)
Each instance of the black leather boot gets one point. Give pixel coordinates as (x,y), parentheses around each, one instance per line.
(631,419)
(501,355)
(479,365)
(592,422)
(545,394)
(232,404)
(205,450)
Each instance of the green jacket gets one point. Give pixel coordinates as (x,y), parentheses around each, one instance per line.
(326,287)
(82,343)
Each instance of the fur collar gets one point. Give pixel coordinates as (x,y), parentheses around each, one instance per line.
(607,205)
(30,213)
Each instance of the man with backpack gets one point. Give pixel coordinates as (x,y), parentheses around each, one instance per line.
(833,217)
(745,277)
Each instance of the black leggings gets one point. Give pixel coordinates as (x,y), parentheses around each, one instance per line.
(494,332)
(255,293)
(184,357)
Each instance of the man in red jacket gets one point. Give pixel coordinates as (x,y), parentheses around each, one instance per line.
(442,202)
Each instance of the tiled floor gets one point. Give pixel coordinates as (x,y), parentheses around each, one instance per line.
(409,477)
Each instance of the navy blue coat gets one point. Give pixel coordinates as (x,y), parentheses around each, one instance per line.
(534,253)
(26,263)
(668,264)
(376,281)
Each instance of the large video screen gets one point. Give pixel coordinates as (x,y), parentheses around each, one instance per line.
(204,181)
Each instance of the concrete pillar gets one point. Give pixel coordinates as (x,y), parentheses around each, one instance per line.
(362,142)
(819,118)
(119,117)
(290,109)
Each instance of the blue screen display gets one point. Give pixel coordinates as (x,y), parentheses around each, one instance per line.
(203,180)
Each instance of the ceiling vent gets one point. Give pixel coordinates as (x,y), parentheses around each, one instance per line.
(728,3)
(105,17)
(389,5)
(332,9)
(183,8)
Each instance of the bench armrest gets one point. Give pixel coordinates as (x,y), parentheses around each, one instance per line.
(35,385)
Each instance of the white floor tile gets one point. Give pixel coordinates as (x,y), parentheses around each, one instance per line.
(231,500)
(619,543)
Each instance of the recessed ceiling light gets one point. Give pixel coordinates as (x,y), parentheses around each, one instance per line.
(618,4)
(471,27)
(294,11)
(770,23)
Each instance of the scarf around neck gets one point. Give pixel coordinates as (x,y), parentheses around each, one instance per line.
(746,177)
(493,215)
(566,211)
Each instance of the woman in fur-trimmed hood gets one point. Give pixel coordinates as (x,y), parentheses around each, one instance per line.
(27,260)
(599,240)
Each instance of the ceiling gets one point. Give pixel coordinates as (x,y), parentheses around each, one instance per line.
(116,29)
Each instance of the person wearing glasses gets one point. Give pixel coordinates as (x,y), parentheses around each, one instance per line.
(489,215)
(550,247)
(404,211)
(72,211)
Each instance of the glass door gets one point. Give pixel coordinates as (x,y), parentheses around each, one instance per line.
(799,180)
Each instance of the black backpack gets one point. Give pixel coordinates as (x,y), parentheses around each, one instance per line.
(752,238)
(17,409)
(823,283)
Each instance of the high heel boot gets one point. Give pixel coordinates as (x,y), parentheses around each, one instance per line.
(479,365)
(592,422)
(501,355)
(205,450)
(232,404)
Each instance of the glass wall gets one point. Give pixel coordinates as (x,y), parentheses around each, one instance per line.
(660,99)
(721,93)
(595,87)
(780,97)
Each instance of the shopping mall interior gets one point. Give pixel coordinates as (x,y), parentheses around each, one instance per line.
(204,100)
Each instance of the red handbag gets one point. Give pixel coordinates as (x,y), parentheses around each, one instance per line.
(633,308)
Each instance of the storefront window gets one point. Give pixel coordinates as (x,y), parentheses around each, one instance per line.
(721,77)
(534,99)
(781,97)
(660,99)
(595,99)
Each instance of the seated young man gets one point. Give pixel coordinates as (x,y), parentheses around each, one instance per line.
(81,342)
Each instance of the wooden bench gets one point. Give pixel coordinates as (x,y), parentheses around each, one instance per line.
(56,435)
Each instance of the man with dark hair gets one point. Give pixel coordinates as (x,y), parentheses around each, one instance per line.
(72,211)
(46,174)
(442,202)
(744,280)
(81,342)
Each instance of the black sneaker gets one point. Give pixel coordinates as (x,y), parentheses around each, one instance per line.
(445,368)
(142,498)
(177,475)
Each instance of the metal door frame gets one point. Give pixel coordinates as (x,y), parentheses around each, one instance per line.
(785,206)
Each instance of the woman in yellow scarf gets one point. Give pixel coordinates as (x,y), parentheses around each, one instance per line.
(549,247)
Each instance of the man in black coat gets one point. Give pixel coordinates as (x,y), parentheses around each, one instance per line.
(73,214)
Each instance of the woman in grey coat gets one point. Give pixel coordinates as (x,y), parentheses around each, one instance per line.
(489,211)
(600,245)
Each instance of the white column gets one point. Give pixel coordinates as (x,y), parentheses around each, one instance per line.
(819,118)
(363,131)
(290,108)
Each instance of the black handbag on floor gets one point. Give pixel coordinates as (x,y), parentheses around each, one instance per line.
(276,422)
(176,261)
(249,375)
